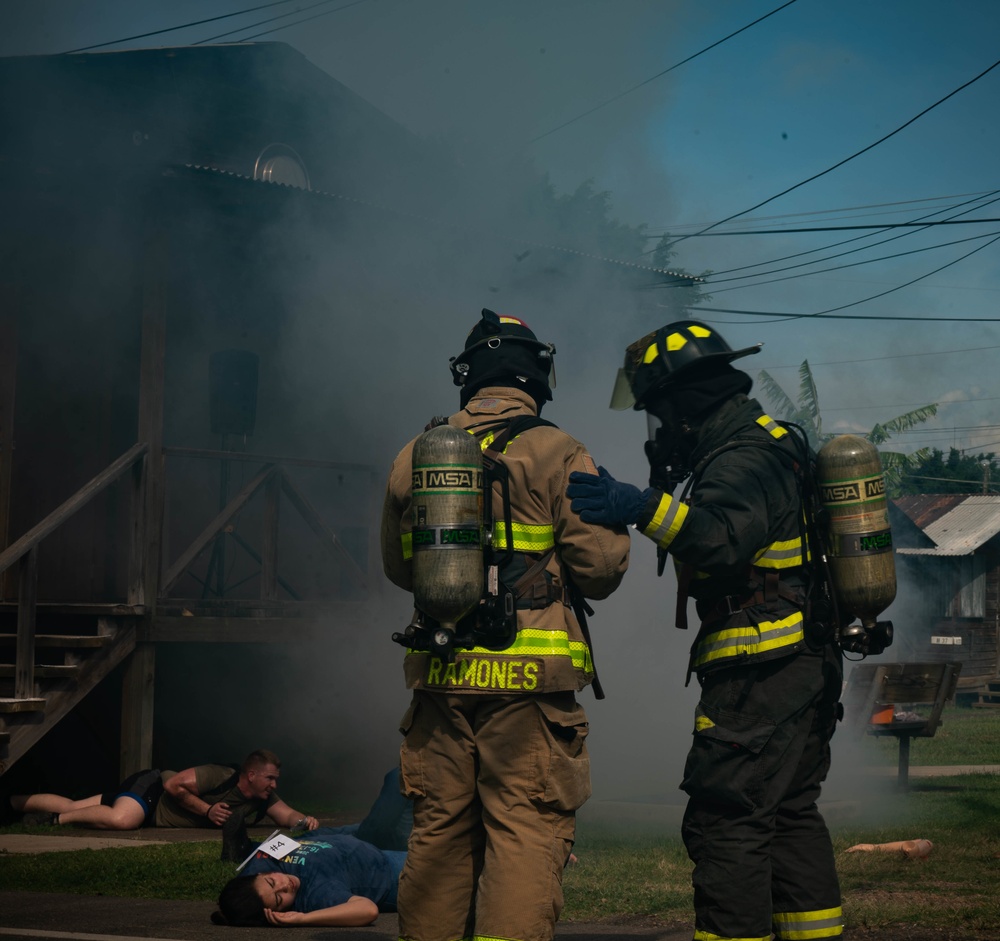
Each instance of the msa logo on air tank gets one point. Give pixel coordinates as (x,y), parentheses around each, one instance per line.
(854,491)
(425,537)
(447,478)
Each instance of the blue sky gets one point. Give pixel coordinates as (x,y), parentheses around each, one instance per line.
(784,100)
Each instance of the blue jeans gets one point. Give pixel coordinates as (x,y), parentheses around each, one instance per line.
(388,823)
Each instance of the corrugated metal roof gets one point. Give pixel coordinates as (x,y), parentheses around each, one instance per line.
(927,508)
(963,528)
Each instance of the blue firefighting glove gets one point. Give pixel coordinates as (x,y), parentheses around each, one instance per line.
(599,498)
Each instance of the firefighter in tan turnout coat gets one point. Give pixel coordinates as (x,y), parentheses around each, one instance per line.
(494,753)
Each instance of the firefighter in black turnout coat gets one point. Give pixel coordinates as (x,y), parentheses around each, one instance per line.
(770,678)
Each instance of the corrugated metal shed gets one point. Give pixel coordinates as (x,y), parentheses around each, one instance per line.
(970,522)
(926,508)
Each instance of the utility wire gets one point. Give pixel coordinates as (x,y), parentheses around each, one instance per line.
(170,29)
(841,163)
(879,359)
(831,228)
(676,65)
(281,16)
(968,197)
(830,314)
(853,264)
(813,251)
(905,284)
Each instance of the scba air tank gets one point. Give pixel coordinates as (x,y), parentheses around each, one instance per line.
(447,527)
(859,544)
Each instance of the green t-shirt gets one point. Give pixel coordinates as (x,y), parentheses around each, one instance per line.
(215,783)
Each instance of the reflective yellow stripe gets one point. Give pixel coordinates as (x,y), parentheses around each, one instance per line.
(803,926)
(528,537)
(771,426)
(783,554)
(667,521)
(747,641)
(535,642)
(700,935)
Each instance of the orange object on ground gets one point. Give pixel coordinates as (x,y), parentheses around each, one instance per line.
(883,716)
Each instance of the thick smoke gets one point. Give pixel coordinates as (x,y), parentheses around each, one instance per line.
(354,312)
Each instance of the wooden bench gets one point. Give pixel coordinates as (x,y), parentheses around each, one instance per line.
(877,693)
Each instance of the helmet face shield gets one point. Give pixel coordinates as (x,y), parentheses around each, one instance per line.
(621,396)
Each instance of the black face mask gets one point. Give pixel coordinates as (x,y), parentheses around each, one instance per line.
(668,450)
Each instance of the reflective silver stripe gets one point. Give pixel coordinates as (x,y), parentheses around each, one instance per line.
(771,426)
(700,935)
(806,926)
(783,554)
(667,521)
(750,640)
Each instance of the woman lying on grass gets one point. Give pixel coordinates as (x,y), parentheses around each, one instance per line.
(331,880)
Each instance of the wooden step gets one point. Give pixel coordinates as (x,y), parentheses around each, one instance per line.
(62,640)
(986,705)
(21,705)
(43,670)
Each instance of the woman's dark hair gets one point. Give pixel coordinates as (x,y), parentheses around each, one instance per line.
(240,905)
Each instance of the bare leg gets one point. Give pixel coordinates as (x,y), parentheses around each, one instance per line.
(50,803)
(126,814)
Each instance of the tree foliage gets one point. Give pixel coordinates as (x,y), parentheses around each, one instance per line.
(805,412)
(956,473)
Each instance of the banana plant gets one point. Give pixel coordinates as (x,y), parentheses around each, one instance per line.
(805,412)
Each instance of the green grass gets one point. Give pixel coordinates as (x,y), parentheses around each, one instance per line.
(645,876)
(160,871)
(965,737)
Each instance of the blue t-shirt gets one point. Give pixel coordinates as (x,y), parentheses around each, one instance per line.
(332,867)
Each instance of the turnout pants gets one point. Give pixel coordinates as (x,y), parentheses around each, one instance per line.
(495,782)
(762,853)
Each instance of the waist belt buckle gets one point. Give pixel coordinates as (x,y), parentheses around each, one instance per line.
(733,605)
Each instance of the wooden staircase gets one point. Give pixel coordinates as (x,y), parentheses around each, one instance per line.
(985,695)
(73,653)
(989,696)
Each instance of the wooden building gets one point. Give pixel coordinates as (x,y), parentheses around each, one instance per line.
(158,488)
(948,555)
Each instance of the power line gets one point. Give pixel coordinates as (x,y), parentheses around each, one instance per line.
(878,359)
(677,65)
(853,264)
(170,29)
(824,212)
(830,314)
(977,198)
(841,163)
(280,16)
(831,228)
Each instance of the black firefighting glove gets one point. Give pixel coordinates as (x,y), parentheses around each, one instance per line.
(599,498)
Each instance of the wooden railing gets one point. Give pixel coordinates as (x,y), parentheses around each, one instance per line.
(24,553)
(274,480)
